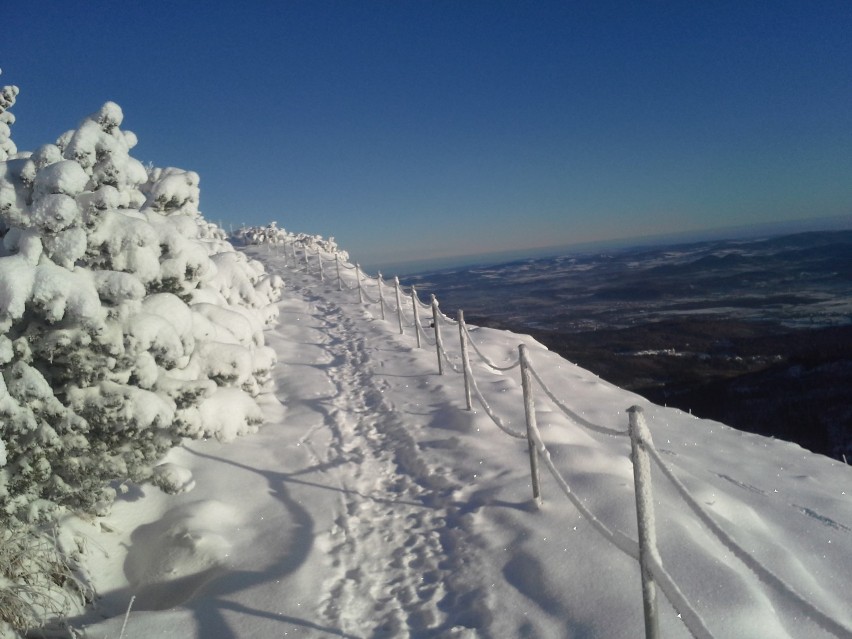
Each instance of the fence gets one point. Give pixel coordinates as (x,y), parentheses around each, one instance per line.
(643,452)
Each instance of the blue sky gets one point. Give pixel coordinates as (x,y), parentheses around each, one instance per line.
(426,129)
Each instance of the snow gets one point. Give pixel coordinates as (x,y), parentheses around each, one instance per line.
(370,503)
(328,481)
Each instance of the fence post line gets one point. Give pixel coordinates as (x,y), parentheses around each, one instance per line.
(322,273)
(414,305)
(529,413)
(337,263)
(381,295)
(398,302)
(439,346)
(640,438)
(307,264)
(358,279)
(465,360)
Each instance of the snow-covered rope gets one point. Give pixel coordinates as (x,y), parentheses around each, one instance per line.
(367,296)
(418,325)
(350,288)
(582,421)
(424,334)
(388,307)
(628,546)
(455,368)
(485,358)
(402,312)
(763,573)
(488,411)
(423,305)
(690,617)
(617,538)
(448,320)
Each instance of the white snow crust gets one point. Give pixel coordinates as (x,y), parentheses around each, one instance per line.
(372,504)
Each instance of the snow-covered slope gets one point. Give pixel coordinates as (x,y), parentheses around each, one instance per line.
(373,504)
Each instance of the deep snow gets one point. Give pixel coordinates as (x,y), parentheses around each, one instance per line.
(372,504)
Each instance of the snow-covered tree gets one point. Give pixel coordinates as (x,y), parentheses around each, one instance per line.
(126,320)
(7,100)
(273,234)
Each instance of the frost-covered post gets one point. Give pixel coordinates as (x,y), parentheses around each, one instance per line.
(322,273)
(414,305)
(295,258)
(529,413)
(337,264)
(307,263)
(381,296)
(640,439)
(398,302)
(465,360)
(358,279)
(439,346)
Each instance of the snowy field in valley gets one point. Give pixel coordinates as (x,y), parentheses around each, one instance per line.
(371,503)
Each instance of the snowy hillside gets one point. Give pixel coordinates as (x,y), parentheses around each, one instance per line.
(373,504)
(137,346)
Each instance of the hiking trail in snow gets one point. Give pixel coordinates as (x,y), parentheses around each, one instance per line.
(372,505)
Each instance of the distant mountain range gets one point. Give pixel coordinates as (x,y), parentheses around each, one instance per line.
(744,231)
(753,332)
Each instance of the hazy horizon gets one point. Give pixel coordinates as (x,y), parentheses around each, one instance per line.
(745,231)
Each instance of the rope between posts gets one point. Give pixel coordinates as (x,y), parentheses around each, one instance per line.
(402,311)
(424,335)
(485,358)
(570,413)
(494,417)
(763,573)
(449,321)
(627,545)
(455,368)
(367,297)
(388,307)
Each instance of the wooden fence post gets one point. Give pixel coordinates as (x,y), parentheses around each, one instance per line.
(640,438)
(358,279)
(529,412)
(415,305)
(381,295)
(322,273)
(398,302)
(337,263)
(439,346)
(465,360)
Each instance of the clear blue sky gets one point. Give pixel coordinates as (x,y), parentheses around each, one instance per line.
(417,129)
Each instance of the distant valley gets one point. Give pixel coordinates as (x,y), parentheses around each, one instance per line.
(754,333)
